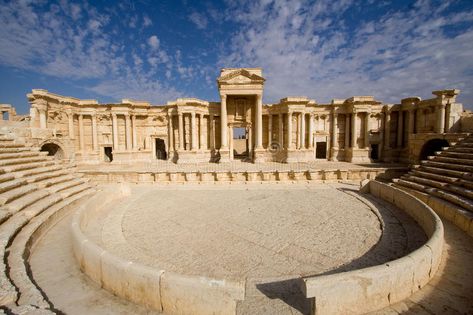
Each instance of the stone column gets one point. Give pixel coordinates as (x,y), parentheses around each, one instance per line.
(335,131)
(281,130)
(367,130)
(447,117)
(411,123)
(42,119)
(128,131)
(441,119)
(353,131)
(303,130)
(230,131)
(223,123)
(70,117)
(298,133)
(400,129)
(289,131)
(194,132)
(33,112)
(259,121)
(81,133)
(270,130)
(170,135)
(212,132)
(311,131)
(115,131)
(347,131)
(201,132)
(387,130)
(133,131)
(181,131)
(94,133)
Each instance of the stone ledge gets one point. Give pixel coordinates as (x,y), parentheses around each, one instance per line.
(376,287)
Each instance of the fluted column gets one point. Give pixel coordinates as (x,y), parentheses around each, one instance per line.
(42,119)
(194,132)
(400,129)
(387,130)
(259,121)
(94,133)
(170,135)
(289,131)
(270,130)
(281,130)
(223,123)
(115,131)
(441,119)
(133,131)
(367,130)
(201,132)
(353,131)
(298,133)
(311,131)
(335,131)
(81,132)
(181,131)
(212,132)
(347,131)
(303,130)
(70,117)
(128,132)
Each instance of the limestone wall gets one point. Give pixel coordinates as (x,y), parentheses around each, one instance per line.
(369,289)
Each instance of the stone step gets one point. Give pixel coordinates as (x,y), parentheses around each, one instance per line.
(5,139)
(460,149)
(11,145)
(12,184)
(50,174)
(442,171)
(16,193)
(455,160)
(73,190)
(6,177)
(23,160)
(424,181)
(461,191)
(22,154)
(442,178)
(466,183)
(464,144)
(452,188)
(29,166)
(451,166)
(18,149)
(19,251)
(458,155)
(60,186)
(29,173)
(23,202)
(463,202)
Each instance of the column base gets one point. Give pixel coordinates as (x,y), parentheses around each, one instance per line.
(259,155)
(224,155)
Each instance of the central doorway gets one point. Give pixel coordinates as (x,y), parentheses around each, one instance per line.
(240,143)
(160,149)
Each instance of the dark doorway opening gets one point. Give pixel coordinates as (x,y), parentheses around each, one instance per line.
(53,150)
(431,146)
(374,154)
(160,149)
(108,155)
(321,150)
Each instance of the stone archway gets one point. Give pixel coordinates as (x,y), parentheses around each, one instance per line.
(53,149)
(430,147)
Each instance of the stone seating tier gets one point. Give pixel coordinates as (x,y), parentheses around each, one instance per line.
(33,188)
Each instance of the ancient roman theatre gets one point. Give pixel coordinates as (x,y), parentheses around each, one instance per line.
(237,206)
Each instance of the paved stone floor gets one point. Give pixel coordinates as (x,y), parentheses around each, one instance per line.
(450,292)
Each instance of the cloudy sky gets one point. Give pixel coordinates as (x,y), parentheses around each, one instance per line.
(161,50)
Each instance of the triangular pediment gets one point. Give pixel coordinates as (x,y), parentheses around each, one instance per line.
(241,76)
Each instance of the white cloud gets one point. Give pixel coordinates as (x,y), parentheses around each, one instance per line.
(199,20)
(147,21)
(153,42)
(309,50)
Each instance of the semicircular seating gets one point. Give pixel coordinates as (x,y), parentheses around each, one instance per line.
(33,187)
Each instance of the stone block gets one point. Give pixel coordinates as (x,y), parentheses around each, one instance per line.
(143,285)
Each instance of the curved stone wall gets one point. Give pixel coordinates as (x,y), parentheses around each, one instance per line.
(157,289)
(373,288)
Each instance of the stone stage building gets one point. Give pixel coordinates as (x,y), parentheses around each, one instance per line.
(240,126)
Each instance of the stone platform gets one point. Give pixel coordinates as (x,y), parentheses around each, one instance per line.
(238,171)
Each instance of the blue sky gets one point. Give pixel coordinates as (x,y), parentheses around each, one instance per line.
(160,50)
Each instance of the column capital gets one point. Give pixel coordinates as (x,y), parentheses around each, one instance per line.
(223,97)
